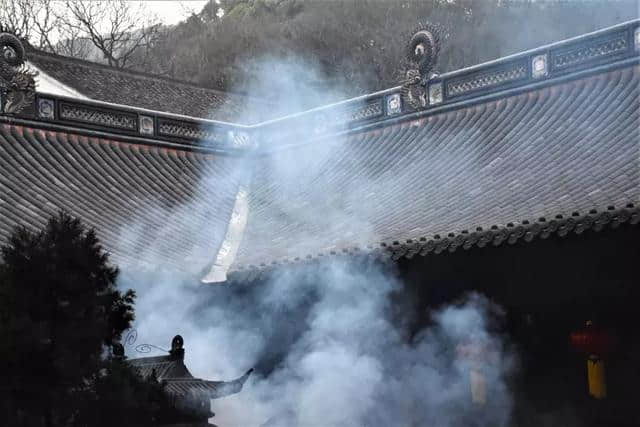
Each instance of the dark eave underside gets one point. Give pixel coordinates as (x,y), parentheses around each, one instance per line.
(484,173)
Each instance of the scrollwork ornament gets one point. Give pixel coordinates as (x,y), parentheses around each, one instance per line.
(413,91)
(17,82)
(421,57)
(131,338)
(146,348)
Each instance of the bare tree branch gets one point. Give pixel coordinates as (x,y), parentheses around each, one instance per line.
(118,29)
(16,16)
(122,32)
(72,43)
(45,23)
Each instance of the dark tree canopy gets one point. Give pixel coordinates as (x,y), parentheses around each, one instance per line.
(60,311)
(117,396)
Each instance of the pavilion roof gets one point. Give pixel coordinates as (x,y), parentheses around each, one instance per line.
(178,381)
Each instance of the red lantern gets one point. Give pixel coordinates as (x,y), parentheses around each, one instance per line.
(596,344)
(592,341)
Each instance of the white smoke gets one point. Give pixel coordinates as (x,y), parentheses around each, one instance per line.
(342,360)
(327,349)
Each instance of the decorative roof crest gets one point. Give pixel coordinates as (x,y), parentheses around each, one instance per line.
(421,53)
(17,82)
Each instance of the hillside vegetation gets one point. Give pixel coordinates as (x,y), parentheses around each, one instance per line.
(358,44)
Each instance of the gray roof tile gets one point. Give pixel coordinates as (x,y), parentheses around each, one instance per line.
(569,147)
(132,222)
(143,90)
(179,381)
(493,169)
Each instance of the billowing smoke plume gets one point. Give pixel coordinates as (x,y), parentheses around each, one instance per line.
(327,346)
(350,366)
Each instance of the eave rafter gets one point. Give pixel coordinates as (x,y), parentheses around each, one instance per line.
(511,233)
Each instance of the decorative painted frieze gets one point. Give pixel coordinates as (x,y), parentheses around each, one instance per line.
(100,117)
(590,51)
(487,79)
(362,112)
(145,124)
(422,90)
(46,108)
(188,130)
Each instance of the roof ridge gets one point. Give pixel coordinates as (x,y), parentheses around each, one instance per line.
(34,51)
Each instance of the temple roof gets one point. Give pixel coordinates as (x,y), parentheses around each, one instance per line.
(134,194)
(163,366)
(553,152)
(178,381)
(144,90)
(542,142)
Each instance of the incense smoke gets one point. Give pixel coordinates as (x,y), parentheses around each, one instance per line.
(326,345)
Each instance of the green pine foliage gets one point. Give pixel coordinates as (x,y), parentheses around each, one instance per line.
(116,395)
(60,310)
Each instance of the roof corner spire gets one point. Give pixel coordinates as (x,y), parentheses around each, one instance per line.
(177,348)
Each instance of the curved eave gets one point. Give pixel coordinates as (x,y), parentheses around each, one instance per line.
(148,203)
(512,233)
(206,388)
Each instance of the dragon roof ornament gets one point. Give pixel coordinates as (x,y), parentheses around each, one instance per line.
(421,53)
(17,82)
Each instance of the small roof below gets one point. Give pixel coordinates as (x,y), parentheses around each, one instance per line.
(179,382)
(164,366)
